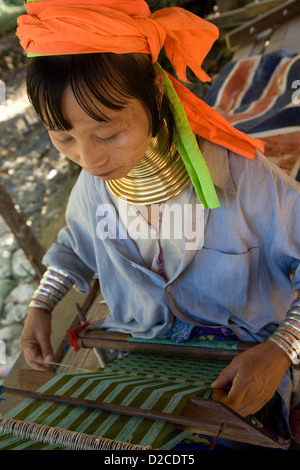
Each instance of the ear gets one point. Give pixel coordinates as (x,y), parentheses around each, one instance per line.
(159,82)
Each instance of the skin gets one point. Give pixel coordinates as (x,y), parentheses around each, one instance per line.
(110,150)
(254,376)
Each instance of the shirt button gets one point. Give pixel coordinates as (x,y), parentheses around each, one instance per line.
(169,288)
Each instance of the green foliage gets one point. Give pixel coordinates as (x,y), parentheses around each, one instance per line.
(158,4)
(13,2)
(9,12)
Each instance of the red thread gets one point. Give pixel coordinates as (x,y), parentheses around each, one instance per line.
(217,436)
(74,335)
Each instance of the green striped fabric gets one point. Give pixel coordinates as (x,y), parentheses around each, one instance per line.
(139,380)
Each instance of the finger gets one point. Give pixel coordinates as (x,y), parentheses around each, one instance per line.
(244,410)
(218,394)
(35,358)
(40,367)
(253,406)
(36,363)
(250,409)
(47,352)
(225,377)
(244,398)
(44,346)
(238,395)
(221,396)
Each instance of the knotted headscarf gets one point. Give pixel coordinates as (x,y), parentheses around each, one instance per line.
(60,27)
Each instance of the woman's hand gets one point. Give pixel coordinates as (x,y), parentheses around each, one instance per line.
(35,339)
(253,376)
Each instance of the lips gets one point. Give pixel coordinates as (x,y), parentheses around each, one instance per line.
(102,175)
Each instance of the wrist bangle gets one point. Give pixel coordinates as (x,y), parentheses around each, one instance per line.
(53,287)
(295,306)
(40,304)
(287,335)
(293,356)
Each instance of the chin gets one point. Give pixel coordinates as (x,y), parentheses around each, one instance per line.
(105,176)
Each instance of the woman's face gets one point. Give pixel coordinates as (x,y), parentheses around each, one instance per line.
(108,150)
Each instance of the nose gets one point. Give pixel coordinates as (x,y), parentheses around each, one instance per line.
(92,157)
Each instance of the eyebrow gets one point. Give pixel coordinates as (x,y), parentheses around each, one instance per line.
(94,128)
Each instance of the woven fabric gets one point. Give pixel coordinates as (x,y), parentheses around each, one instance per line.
(138,380)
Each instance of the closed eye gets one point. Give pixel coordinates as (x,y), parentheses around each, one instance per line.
(106,140)
(65,141)
(61,140)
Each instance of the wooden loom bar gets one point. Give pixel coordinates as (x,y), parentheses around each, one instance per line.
(120,342)
(246,13)
(109,407)
(199,416)
(270,19)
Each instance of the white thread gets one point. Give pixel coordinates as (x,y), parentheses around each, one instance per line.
(61,437)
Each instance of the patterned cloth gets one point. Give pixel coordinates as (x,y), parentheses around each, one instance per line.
(258,95)
(183,332)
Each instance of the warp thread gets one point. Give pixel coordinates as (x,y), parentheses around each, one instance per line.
(217,436)
(61,437)
(73,341)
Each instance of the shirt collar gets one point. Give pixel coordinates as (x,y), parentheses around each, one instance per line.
(217,160)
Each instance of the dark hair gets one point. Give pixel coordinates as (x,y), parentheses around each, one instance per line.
(111,79)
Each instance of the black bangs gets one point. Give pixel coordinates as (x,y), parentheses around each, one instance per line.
(45,91)
(108,79)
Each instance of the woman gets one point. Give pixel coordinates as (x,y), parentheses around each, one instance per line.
(109,107)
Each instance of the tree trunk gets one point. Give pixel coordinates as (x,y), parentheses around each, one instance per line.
(24,235)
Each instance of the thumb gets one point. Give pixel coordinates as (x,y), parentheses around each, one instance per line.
(225,377)
(46,350)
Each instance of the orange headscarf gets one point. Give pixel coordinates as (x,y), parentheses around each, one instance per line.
(80,26)
(125,26)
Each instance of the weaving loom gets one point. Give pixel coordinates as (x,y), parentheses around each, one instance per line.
(152,382)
